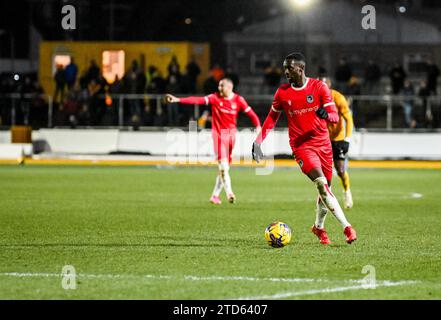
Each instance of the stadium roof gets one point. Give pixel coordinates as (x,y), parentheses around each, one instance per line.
(338,22)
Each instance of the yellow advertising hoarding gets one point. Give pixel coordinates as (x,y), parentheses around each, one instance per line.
(108,54)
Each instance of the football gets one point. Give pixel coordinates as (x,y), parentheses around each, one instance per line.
(278,234)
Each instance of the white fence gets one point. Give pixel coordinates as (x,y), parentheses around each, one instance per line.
(364,145)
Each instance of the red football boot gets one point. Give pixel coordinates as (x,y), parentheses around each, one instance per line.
(350,234)
(321,234)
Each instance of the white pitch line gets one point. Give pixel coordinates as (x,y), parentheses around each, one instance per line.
(415,195)
(326,290)
(199,278)
(161,277)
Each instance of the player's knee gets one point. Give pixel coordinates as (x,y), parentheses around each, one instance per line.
(320,184)
(341,172)
(224,166)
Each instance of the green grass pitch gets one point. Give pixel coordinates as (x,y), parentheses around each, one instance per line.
(149,233)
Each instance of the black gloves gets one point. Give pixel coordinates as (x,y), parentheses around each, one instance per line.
(322,113)
(257,152)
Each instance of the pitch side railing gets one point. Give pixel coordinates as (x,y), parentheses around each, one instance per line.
(386,112)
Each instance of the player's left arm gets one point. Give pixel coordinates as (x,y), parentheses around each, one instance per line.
(250,113)
(327,109)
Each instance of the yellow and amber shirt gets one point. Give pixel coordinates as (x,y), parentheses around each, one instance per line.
(342,129)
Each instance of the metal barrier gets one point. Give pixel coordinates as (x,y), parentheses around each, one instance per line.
(385,112)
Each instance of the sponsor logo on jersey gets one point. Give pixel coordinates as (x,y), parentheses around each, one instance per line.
(310,98)
(302,111)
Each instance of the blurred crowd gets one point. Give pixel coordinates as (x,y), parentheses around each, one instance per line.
(86,98)
(413,97)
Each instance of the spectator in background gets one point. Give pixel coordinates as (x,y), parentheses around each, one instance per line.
(83,80)
(71,73)
(155,83)
(230,74)
(424,94)
(60,83)
(173,66)
(39,108)
(432,72)
(192,72)
(407,103)
(71,105)
(159,119)
(272,77)
(218,73)
(26,89)
(354,88)
(397,76)
(93,73)
(96,108)
(372,76)
(343,74)
(135,82)
(210,84)
(172,109)
(321,71)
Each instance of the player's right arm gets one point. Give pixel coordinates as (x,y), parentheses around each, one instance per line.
(271,119)
(268,125)
(188,100)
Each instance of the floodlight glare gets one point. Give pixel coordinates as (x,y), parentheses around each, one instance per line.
(301,3)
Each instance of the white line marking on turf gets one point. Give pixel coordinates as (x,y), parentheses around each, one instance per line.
(326,290)
(204,278)
(160,277)
(415,195)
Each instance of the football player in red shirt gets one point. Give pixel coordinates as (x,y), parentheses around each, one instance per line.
(225,108)
(308,105)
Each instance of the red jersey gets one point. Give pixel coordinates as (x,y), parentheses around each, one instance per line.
(300,106)
(224,111)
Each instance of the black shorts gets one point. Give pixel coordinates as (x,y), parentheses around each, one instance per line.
(338,152)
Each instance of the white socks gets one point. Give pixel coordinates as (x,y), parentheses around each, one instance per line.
(224,168)
(330,201)
(321,212)
(219,185)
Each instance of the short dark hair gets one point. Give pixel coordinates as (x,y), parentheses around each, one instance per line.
(228,79)
(297,56)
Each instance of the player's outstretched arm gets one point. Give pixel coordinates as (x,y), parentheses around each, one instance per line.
(188,100)
(171,98)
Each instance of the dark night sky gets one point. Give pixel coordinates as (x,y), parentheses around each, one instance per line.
(140,19)
(134,20)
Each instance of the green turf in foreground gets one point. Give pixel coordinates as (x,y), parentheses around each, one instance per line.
(118,225)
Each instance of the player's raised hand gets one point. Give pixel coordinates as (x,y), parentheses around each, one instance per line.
(257,152)
(171,99)
(322,113)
